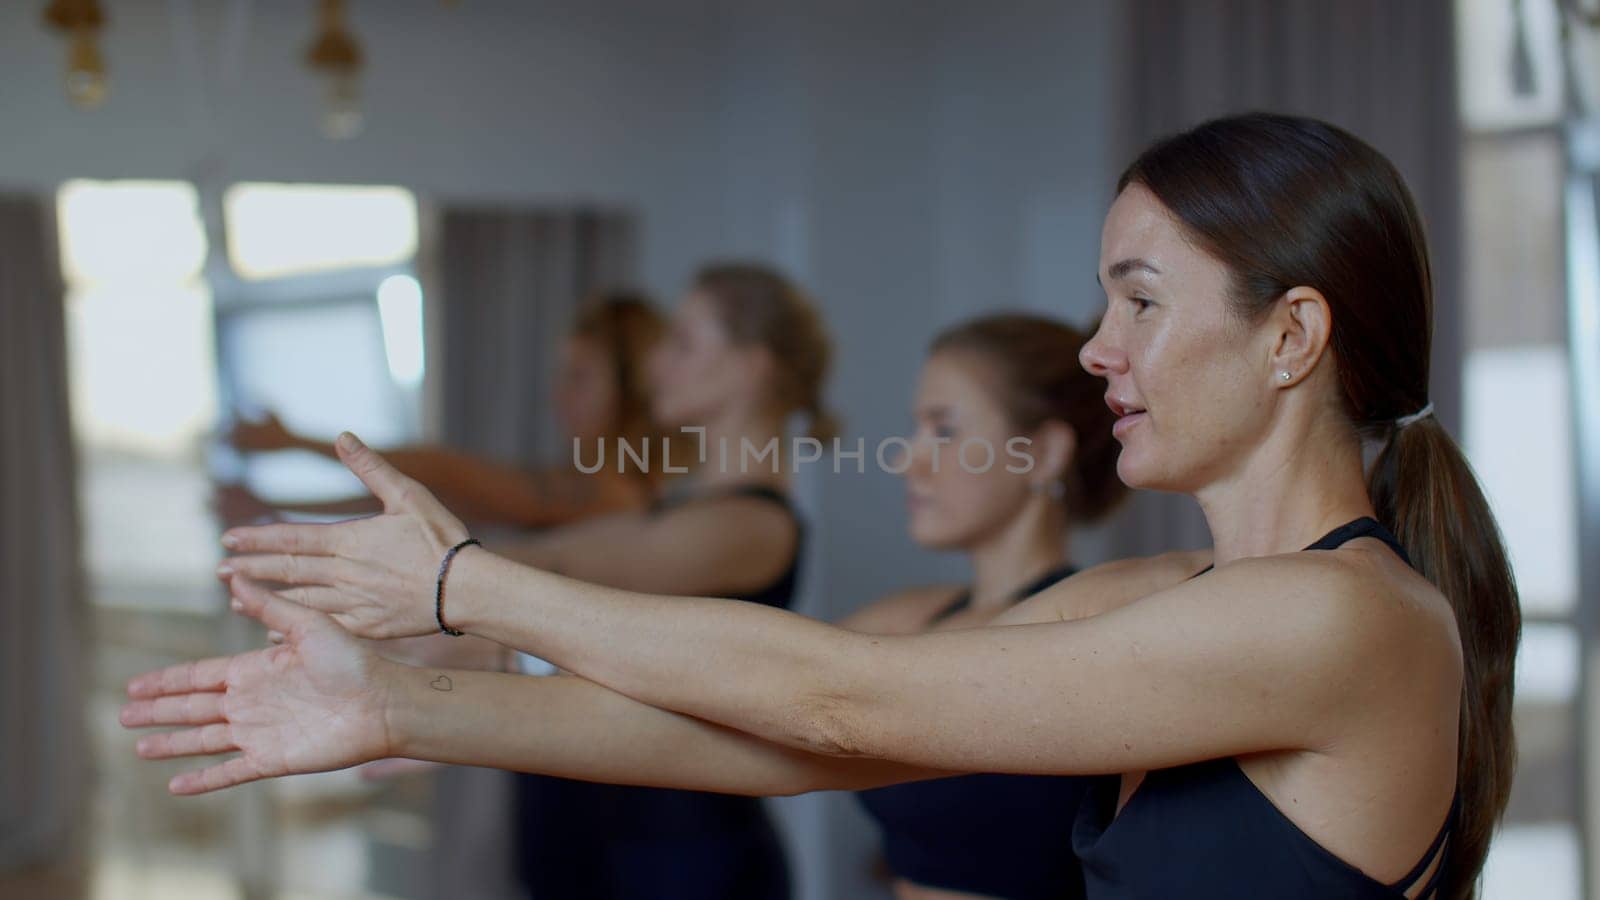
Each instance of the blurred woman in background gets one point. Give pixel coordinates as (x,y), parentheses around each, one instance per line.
(743,352)
(992,380)
(601,396)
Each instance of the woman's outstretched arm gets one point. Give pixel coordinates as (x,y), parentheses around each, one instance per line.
(1276,653)
(480,489)
(322,700)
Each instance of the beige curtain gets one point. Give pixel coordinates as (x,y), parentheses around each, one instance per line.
(1385,70)
(43,666)
(508,283)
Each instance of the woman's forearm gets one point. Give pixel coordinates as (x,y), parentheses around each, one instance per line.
(573,728)
(658,649)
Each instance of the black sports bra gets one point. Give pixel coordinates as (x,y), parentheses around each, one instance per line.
(780,592)
(1204,831)
(964,599)
(994,835)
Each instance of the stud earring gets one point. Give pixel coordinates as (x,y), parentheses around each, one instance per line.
(1284,375)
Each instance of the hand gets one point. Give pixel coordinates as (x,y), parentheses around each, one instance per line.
(267,434)
(314,703)
(375,576)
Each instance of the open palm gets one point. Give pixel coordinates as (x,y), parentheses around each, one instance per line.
(313,703)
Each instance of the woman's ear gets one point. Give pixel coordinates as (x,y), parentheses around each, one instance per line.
(1302,325)
(1054,444)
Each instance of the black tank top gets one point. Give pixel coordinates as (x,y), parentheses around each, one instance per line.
(596,841)
(1204,831)
(995,835)
(780,592)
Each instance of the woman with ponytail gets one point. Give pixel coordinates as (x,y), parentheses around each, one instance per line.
(743,352)
(1323,713)
(985,382)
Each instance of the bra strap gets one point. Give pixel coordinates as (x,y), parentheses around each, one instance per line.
(964,599)
(1366,526)
(1433,851)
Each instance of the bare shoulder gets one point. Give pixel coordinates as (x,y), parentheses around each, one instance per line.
(733,502)
(1107,586)
(750,520)
(902,612)
(1358,609)
(622,493)
(1162,570)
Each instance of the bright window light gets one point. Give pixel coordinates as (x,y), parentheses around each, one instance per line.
(1519,439)
(276,230)
(130,232)
(1511,74)
(143,372)
(1547,664)
(400,310)
(1534,860)
(139,327)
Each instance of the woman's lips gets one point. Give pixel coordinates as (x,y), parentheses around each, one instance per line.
(1126,422)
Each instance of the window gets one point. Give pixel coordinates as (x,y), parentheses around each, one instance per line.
(142,381)
(323,326)
(1518,413)
(276,230)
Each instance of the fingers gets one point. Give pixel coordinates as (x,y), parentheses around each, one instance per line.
(277,613)
(381,478)
(178,709)
(186,678)
(206,741)
(237,770)
(308,539)
(289,568)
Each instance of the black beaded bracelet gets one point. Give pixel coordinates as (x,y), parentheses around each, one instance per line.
(438,589)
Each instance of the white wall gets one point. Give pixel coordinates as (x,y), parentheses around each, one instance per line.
(914,165)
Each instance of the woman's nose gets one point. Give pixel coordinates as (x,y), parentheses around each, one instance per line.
(1100,356)
(911,457)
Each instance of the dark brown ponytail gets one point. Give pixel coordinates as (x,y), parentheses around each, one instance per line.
(1423,489)
(1283,202)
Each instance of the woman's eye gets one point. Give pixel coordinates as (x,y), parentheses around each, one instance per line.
(1141,303)
(944,431)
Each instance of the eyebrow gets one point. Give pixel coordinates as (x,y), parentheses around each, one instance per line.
(1123,268)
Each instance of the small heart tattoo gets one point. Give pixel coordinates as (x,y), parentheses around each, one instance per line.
(442,683)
